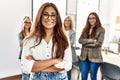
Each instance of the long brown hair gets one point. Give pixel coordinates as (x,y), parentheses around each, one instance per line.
(59,38)
(23,26)
(87,26)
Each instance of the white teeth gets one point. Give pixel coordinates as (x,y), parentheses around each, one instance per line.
(49,22)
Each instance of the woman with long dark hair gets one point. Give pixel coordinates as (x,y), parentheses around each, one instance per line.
(91,39)
(47,50)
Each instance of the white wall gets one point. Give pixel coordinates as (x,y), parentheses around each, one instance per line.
(109,10)
(114,12)
(104,14)
(11,15)
(114,33)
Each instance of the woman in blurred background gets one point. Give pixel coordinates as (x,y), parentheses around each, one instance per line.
(91,39)
(68,25)
(25,30)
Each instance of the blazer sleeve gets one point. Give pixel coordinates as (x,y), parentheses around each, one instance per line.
(100,39)
(85,41)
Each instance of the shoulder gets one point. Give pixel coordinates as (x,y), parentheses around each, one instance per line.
(101,29)
(30,41)
(20,36)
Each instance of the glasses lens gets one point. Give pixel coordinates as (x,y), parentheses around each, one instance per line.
(53,16)
(27,22)
(92,18)
(45,15)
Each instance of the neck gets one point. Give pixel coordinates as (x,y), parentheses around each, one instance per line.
(49,34)
(27,32)
(67,28)
(92,26)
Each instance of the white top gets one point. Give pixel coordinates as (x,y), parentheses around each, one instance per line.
(42,52)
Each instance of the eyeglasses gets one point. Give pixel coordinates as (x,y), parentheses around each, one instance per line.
(27,22)
(91,18)
(67,20)
(46,16)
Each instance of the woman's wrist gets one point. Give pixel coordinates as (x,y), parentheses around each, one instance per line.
(95,41)
(57,60)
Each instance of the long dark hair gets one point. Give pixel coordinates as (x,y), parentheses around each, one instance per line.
(60,42)
(87,26)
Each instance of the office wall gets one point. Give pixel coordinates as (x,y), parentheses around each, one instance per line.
(11,15)
(114,13)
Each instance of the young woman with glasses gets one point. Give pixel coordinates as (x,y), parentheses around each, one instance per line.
(25,30)
(91,39)
(68,25)
(47,50)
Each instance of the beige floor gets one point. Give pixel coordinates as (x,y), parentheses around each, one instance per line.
(75,74)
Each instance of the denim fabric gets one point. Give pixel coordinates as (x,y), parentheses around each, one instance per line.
(25,76)
(86,67)
(69,75)
(48,76)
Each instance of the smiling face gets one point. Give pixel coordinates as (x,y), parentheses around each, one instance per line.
(67,23)
(49,18)
(92,20)
(27,23)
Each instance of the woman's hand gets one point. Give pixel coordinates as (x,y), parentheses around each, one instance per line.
(95,41)
(29,57)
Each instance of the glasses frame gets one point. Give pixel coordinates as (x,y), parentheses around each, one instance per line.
(91,18)
(46,16)
(27,22)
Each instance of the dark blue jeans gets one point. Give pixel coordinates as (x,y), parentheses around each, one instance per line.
(25,76)
(69,75)
(88,66)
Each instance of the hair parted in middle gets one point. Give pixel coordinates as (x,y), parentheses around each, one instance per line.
(59,38)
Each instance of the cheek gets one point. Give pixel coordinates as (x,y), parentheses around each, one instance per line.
(55,22)
(67,23)
(92,21)
(43,22)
